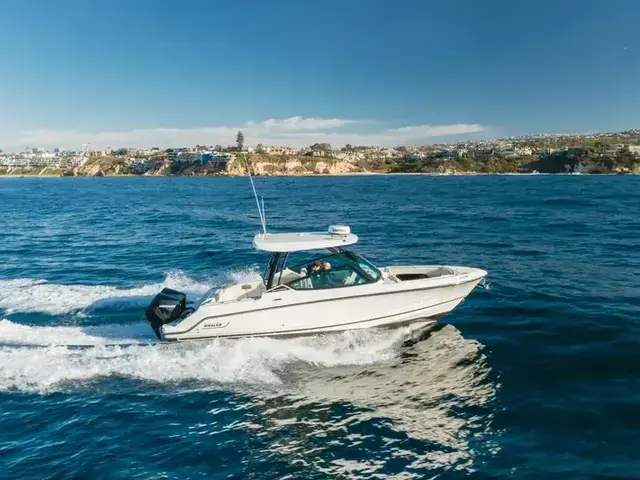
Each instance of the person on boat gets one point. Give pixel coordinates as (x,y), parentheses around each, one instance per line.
(318,269)
(316,266)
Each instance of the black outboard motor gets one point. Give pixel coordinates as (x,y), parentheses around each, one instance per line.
(167,306)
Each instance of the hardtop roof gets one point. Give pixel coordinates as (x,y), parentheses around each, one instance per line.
(297,242)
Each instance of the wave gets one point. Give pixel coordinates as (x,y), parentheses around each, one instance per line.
(29,295)
(45,359)
(438,390)
(16,334)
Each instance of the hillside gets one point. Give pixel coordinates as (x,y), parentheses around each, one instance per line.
(573,160)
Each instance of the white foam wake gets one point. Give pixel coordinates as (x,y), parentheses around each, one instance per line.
(16,334)
(62,365)
(36,295)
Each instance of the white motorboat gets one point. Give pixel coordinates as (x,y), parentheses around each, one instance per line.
(314,284)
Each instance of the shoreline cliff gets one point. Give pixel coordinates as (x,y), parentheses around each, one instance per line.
(273,165)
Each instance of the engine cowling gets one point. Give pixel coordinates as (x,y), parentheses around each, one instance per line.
(166,306)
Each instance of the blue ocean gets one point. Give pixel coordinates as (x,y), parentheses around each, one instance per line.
(538,377)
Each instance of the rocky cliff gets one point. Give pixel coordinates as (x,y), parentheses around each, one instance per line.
(259,164)
(275,165)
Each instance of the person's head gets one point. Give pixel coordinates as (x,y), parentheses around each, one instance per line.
(316,266)
(326,266)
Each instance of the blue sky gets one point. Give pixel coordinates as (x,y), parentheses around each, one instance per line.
(169,73)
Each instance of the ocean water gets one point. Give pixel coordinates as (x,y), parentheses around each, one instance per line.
(537,378)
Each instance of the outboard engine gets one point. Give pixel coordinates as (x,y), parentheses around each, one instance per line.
(167,306)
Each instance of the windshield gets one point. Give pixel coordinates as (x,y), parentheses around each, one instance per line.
(364,264)
(339,269)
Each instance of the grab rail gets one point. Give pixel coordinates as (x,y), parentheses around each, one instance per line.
(281,285)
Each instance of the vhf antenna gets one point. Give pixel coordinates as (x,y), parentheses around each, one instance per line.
(263,220)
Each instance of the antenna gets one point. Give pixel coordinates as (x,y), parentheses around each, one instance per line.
(263,221)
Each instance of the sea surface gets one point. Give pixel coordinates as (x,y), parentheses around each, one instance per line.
(538,377)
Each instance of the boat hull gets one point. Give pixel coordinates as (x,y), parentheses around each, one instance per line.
(288,313)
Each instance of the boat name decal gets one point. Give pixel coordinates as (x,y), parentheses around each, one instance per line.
(214,325)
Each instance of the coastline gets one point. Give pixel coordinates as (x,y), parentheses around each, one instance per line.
(345,174)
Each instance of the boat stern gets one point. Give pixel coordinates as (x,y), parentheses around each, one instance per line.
(167,306)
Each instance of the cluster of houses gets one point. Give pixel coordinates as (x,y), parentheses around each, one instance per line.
(218,157)
(483,151)
(40,158)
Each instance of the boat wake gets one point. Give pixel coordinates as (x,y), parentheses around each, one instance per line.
(19,335)
(28,295)
(437,389)
(46,359)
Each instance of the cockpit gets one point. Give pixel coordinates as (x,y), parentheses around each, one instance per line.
(338,268)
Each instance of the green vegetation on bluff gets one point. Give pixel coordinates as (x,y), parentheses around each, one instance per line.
(572,160)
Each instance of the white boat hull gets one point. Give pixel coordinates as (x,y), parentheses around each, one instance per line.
(285,312)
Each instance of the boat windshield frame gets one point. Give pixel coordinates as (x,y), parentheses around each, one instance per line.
(370,272)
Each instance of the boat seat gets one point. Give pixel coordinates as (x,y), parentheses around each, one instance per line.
(305,284)
(288,276)
(254,293)
(350,279)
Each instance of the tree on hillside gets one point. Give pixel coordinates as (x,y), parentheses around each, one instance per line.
(625,158)
(259,148)
(240,141)
(321,147)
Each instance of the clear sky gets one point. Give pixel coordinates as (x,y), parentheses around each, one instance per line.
(171,73)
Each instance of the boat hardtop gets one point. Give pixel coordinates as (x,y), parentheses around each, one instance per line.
(336,236)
